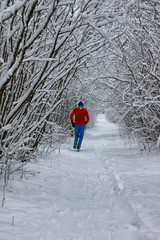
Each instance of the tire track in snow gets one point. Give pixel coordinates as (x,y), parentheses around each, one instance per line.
(120,193)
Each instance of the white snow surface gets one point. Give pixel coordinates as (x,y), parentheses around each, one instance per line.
(108,191)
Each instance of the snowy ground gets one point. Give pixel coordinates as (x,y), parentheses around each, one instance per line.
(105,192)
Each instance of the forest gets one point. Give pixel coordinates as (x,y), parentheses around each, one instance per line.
(54,53)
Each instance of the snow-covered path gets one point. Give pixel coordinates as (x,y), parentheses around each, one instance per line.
(105,192)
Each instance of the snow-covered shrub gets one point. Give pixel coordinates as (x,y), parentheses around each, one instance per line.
(43,46)
(133,79)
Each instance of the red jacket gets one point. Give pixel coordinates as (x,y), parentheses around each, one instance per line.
(81,116)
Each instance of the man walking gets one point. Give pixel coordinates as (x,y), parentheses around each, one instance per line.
(81,118)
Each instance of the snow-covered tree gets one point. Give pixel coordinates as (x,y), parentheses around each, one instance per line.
(133,81)
(43,45)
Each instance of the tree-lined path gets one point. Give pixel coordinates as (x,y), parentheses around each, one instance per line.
(105,192)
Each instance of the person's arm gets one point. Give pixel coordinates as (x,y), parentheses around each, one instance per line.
(71,117)
(87,117)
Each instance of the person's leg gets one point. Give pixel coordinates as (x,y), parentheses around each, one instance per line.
(76,136)
(81,133)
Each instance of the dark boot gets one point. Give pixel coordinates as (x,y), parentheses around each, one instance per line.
(75,145)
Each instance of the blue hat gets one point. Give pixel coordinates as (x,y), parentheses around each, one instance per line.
(80,104)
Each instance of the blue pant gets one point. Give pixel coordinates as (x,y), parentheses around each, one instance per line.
(79,132)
